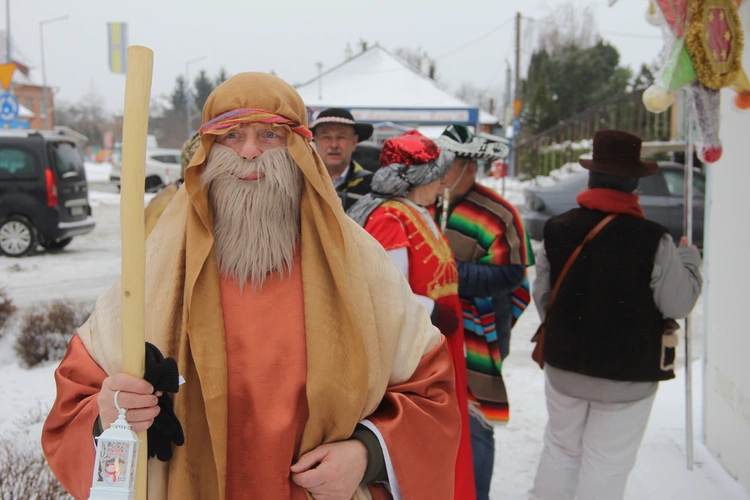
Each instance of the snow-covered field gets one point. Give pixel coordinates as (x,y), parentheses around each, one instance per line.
(91,263)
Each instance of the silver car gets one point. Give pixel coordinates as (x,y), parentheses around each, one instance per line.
(662,198)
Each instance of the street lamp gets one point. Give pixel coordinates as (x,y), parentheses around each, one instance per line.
(44,110)
(187,93)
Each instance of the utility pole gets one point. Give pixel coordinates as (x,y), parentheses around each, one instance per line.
(507,97)
(48,124)
(517,96)
(7,32)
(320,79)
(188,100)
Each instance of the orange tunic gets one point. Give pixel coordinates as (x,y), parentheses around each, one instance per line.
(264,409)
(266,366)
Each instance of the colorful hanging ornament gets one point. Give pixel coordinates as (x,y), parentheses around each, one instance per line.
(703,53)
(714,38)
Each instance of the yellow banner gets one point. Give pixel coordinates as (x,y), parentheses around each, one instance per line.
(118,44)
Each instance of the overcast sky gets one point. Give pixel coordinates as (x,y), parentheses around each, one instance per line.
(290,37)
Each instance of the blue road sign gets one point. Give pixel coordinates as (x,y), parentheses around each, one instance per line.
(8,108)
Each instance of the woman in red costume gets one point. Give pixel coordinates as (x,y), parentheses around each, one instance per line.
(395,214)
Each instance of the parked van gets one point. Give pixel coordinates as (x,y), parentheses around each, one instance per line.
(43,192)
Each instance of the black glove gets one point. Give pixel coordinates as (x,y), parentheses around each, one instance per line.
(162,374)
(445,319)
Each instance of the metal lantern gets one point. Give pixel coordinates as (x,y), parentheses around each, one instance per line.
(116,460)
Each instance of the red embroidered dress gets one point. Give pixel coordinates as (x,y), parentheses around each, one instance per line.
(433,274)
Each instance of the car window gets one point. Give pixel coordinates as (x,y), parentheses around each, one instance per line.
(368,157)
(166,158)
(675,180)
(17,164)
(651,186)
(67,160)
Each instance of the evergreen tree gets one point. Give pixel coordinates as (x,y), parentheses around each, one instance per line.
(221,77)
(178,99)
(645,77)
(203,88)
(568,80)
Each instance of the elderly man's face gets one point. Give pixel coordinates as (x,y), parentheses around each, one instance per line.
(335,144)
(251,140)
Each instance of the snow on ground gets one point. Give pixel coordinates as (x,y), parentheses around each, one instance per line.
(97,172)
(91,264)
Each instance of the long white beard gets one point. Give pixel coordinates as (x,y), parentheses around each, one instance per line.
(256,223)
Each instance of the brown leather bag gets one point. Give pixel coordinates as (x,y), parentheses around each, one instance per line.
(538,353)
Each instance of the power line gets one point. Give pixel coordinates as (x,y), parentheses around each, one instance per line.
(631,35)
(615,33)
(482,37)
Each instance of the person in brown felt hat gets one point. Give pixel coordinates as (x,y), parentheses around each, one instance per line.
(604,348)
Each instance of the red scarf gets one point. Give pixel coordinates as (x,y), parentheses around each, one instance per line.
(611,201)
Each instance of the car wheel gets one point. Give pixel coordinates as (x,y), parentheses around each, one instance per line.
(57,245)
(18,236)
(153,184)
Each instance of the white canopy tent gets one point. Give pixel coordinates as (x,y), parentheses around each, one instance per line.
(377,86)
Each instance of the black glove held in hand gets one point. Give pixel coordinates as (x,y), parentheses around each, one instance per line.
(162,374)
(445,319)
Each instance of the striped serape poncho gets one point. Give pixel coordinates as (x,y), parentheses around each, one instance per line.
(484,228)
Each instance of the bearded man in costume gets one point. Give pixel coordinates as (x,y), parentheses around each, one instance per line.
(487,236)
(310,369)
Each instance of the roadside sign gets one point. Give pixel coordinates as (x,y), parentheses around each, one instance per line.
(8,108)
(499,169)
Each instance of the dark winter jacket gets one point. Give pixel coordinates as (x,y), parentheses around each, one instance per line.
(605,322)
(355,186)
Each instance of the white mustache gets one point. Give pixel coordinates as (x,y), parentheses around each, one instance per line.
(333,150)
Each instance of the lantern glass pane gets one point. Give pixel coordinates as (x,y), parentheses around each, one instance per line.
(113,462)
(133,464)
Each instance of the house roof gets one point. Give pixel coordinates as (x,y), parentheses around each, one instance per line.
(378,86)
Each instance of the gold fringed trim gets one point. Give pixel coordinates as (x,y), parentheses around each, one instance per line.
(714,75)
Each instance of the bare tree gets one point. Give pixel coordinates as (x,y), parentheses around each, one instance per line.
(485,99)
(420,60)
(569,25)
(87,116)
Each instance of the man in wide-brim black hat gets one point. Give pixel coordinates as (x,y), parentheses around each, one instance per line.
(336,135)
(605,347)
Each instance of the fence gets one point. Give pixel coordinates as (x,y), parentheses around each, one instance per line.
(568,140)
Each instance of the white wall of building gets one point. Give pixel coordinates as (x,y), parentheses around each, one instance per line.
(727,289)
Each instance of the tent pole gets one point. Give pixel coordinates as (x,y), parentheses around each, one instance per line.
(688,232)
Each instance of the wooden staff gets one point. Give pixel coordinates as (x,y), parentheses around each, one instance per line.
(132,293)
